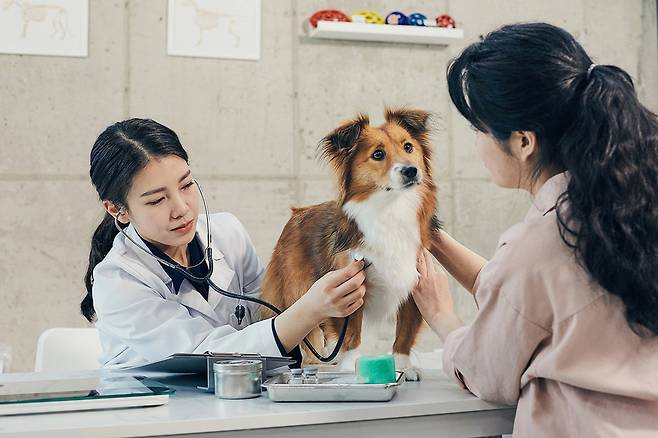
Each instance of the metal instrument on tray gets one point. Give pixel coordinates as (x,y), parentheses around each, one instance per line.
(331,386)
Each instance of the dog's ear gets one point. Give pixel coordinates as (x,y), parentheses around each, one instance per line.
(339,142)
(416,122)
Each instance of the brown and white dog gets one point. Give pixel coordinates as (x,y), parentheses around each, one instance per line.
(385,211)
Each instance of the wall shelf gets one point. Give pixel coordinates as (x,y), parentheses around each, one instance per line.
(337,30)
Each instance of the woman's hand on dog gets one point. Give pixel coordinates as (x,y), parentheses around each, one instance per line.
(338,293)
(432,296)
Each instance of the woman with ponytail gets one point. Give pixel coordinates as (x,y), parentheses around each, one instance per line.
(146,311)
(567,323)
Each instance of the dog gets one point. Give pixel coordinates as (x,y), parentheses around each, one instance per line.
(385,211)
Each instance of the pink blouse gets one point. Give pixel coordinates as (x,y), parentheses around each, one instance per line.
(550,339)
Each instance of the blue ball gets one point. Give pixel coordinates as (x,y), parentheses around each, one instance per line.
(401,18)
(417,19)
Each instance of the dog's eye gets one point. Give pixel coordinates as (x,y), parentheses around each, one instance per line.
(408,147)
(378,155)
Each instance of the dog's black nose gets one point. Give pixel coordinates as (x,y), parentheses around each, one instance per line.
(409,172)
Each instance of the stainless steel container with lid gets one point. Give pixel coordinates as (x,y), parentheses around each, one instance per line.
(236,379)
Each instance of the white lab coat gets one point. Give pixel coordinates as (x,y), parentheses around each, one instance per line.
(140,318)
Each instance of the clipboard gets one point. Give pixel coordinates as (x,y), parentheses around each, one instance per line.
(201,364)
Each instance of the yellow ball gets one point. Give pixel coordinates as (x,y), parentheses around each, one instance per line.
(371,17)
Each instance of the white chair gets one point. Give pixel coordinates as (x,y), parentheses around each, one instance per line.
(68,349)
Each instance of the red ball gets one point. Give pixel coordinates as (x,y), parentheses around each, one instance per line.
(445,21)
(328,15)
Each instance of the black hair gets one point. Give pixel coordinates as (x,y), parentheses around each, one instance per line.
(119,153)
(589,122)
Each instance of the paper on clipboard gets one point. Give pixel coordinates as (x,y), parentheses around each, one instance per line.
(197,363)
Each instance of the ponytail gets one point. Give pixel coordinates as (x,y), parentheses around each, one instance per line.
(611,219)
(101,243)
(118,154)
(589,122)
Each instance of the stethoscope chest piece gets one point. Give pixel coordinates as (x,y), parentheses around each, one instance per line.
(239,313)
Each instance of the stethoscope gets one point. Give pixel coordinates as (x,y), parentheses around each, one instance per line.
(240,310)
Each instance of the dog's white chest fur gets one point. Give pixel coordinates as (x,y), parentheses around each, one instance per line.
(391,239)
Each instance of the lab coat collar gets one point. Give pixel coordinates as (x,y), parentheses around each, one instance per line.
(196,253)
(222,274)
(202,233)
(151,263)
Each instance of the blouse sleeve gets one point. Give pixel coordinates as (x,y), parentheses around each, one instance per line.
(489,357)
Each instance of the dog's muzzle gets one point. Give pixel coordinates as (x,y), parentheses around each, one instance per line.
(409,175)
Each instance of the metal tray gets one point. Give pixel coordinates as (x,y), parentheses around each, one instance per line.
(331,387)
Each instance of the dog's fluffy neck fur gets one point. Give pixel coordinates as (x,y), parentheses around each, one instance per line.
(388,223)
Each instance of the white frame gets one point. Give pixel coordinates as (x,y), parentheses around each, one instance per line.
(186,36)
(62,31)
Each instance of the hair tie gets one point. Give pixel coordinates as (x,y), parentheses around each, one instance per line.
(589,70)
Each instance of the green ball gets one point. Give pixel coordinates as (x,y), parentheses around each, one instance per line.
(376,369)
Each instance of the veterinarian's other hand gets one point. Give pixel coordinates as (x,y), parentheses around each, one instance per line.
(338,293)
(432,296)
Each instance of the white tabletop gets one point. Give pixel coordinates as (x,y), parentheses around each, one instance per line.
(191,411)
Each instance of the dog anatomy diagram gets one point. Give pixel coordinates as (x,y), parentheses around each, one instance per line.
(51,27)
(52,14)
(206,20)
(214,28)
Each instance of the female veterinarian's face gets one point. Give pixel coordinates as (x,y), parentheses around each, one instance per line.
(505,169)
(163,202)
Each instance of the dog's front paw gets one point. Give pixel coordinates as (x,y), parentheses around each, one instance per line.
(411,373)
(347,361)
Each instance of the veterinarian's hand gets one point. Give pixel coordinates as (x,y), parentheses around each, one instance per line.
(338,293)
(432,296)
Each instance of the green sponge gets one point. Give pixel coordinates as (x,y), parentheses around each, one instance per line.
(376,369)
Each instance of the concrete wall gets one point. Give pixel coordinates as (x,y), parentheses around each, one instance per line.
(250,128)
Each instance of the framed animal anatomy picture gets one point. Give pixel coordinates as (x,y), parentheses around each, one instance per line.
(44,27)
(214,28)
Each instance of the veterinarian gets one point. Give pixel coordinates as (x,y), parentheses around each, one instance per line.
(143,309)
(568,304)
